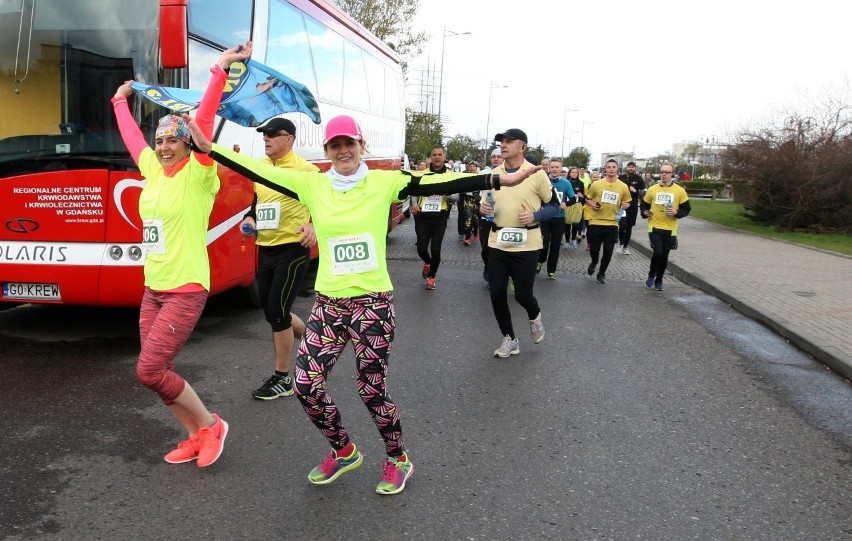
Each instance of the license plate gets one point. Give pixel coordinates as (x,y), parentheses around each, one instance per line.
(31,292)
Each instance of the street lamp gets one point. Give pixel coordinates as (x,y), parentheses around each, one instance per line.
(488,120)
(583,132)
(564,116)
(450,33)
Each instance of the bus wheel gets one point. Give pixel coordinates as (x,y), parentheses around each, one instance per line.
(250,295)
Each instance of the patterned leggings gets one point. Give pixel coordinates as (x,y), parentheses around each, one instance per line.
(369,322)
(165,322)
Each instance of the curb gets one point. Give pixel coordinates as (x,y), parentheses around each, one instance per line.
(837,361)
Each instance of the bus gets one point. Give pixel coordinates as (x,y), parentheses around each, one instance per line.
(70,231)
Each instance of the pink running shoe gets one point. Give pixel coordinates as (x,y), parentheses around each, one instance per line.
(186,451)
(211,441)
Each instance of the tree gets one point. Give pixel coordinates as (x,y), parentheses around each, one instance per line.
(464,147)
(798,169)
(579,157)
(422,132)
(391,21)
(536,151)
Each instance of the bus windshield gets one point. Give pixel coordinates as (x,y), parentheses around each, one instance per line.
(63,61)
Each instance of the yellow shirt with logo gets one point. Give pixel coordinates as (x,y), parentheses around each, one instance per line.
(292,212)
(183,204)
(659,197)
(532,192)
(610,195)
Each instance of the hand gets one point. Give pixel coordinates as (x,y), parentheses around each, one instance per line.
(632,189)
(125,90)
(198,137)
(526,215)
(670,211)
(518,176)
(309,236)
(240,52)
(249,220)
(485,209)
(625,206)
(562,206)
(593,205)
(649,213)
(414,208)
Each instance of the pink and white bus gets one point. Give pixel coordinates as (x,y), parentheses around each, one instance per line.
(70,231)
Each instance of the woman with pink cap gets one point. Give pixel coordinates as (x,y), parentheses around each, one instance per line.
(354,300)
(175,207)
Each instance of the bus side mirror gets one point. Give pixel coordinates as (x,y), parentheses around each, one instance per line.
(173,34)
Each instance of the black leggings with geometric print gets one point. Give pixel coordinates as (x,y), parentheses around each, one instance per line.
(369,322)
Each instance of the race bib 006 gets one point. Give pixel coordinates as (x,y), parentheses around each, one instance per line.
(153,238)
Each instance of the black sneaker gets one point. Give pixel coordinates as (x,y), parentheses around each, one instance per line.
(274,387)
(591,269)
(601,278)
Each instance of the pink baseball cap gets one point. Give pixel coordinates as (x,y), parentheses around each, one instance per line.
(342,126)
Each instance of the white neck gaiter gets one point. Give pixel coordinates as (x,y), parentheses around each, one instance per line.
(344,183)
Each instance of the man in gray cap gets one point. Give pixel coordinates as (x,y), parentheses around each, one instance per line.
(284,236)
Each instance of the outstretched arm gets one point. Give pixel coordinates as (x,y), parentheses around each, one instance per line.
(450,183)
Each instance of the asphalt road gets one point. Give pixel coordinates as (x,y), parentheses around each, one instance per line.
(641,416)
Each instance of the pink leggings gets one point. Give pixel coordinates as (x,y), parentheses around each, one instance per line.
(165,322)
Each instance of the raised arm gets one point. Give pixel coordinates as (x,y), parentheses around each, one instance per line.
(130,132)
(213,93)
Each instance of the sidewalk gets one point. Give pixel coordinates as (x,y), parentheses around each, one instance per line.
(803,294)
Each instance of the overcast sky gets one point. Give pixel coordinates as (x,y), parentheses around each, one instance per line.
(643,75)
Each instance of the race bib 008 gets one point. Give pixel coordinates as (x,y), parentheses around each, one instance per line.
(352,254)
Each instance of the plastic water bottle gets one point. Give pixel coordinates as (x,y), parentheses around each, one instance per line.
(248,230)
(490,200)
(618,215)
(669,205)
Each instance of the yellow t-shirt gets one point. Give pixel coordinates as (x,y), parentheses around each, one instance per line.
(290,212)
(610,195)
(659,197)
(533,191)
(175,212)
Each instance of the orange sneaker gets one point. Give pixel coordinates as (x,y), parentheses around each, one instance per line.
(186,451)
(430,283)
(211,441)
(427,268)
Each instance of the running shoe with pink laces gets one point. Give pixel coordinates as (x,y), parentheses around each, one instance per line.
(396,473)
(186,451)
(211,441)
(334,466)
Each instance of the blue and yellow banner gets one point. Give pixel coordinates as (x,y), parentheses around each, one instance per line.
(253,94)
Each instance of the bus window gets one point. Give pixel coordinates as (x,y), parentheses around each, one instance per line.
(327,49)
(375,84)
(72,60)
(288,50)
(223,22)
(393,98)
(354,79)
